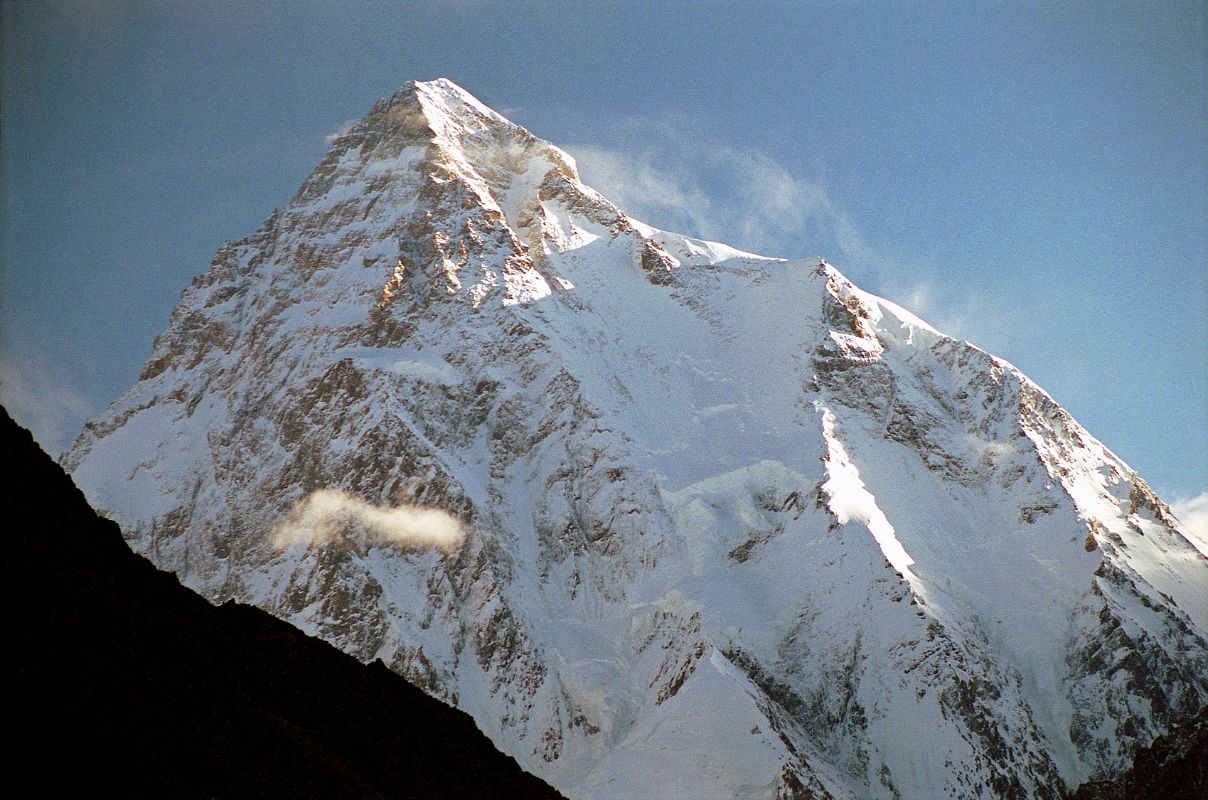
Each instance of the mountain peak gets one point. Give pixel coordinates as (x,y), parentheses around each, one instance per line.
(439,107)
(732,521)
(429,110)
(442,113)
(445,100)
(438,131)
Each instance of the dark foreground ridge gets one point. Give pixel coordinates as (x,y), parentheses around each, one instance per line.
(1173,767)
(128,684)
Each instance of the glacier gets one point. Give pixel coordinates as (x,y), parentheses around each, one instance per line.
(735,528)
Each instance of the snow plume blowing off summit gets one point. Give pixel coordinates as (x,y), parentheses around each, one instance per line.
(333,517)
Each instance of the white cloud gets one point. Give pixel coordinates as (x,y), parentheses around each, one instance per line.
(39,397)
(336,518)
(778,205)
(1193,513)
(959,312)
(989,448)
(753,202)
(343,128)
(643,190)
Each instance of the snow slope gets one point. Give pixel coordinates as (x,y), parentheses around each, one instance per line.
(736,527)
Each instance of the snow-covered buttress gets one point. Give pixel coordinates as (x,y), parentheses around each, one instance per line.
(735,528)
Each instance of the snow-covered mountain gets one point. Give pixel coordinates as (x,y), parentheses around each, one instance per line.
(735,528)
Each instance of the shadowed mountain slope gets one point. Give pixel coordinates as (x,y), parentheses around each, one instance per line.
(126,681)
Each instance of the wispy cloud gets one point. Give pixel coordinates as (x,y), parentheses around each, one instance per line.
(1193,513)
(343,128)
(39,396)
(651,193)
(750,200)
(336,518)
(962,313)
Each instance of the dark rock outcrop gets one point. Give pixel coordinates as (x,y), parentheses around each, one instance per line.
(1173,767)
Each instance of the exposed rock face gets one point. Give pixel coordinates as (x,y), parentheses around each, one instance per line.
(129,685)
(737,528)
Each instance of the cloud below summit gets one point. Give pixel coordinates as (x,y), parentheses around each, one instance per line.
(335,518)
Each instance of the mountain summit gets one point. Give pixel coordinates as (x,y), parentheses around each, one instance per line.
(732,526)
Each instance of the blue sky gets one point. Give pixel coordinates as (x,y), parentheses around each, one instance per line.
(1031,177)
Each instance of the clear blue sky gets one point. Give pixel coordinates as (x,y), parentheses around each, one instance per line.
(1031,177)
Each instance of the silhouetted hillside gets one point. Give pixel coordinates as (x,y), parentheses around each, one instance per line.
(128,683)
